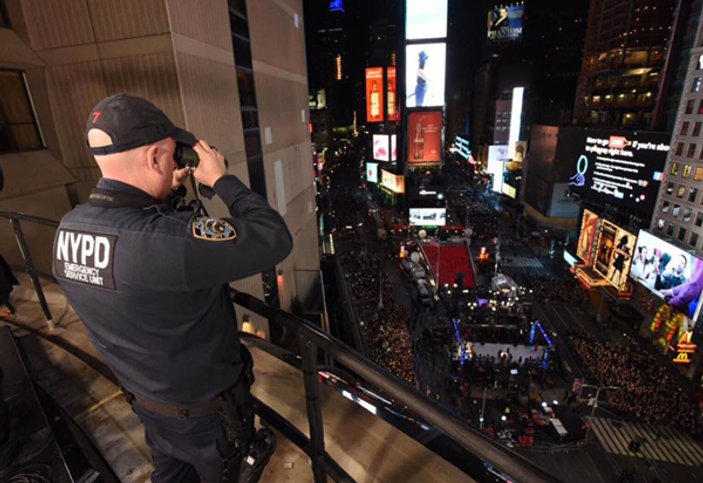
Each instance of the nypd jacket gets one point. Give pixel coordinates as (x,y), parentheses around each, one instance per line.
(150,284)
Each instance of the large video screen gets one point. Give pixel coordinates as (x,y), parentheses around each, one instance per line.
(587,237)
(505,22)
(614,254)
(394,182)
(425,20)
(428,216)
(374,94)
(497,156)
(619,167)
(424,74)
(381,149)
(671,273)
(372,172)
(424,137)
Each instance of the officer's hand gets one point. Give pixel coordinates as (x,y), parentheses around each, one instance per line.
(179,177)
(212,164)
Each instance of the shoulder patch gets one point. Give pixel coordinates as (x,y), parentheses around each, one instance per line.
(213,229)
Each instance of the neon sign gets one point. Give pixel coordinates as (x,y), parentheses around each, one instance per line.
(669,328)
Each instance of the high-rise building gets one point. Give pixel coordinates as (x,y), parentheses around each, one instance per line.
(629,62)
(679,209)
(216,71)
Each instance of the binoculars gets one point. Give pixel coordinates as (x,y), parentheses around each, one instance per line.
(186,156)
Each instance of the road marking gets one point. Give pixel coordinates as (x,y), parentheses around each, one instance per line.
(672,445)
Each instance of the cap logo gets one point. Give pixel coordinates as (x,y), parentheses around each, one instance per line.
(96,116)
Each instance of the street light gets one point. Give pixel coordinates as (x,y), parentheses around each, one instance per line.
(598,390)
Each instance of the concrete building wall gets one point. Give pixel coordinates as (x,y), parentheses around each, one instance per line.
(280,74)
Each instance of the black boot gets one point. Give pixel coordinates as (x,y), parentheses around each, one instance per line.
(260,453)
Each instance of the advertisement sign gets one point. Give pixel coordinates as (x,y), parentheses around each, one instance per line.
(509,191)
(425,137)
(428,216)
(497,156)
(426,20)
(587,237)
(424,74)
(374,94)
(317,100)
(505,22)
(614,254)
(372,172)
(669,272)
(380,147)
(619,167)
(394,147)
(393,182)
(391,94)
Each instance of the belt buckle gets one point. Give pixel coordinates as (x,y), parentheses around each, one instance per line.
(182,413)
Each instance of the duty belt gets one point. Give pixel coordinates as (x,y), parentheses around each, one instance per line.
(173,411)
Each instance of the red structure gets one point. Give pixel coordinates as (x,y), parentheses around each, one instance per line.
(451,260)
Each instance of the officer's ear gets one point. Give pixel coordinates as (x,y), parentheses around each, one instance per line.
(152,158)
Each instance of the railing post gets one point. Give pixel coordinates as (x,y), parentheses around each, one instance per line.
(27,256)
(312,398)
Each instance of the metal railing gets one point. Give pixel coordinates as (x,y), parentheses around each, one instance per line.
(311,341)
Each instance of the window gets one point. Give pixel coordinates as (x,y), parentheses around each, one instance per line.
(687,212)
(676,211)
(696,129)
(692,193)
(670,229)
(689,106)
(681,191)
(691,150)
(660,224)
(686,171)
(247,92)
(665,207)
(699,219)
(674,168)
(696,84)
(682,233)
(4,18)
(679,149)
(670,188)
(684,128)
(698,175)
(18,129)
(700,107)
(693,240)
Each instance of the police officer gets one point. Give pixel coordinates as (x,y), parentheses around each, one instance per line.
(150,283)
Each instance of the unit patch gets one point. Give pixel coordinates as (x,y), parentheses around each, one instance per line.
(213,229)
(85,257)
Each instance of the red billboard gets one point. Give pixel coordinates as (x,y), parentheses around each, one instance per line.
(391,97)
(374,94)
(424,137)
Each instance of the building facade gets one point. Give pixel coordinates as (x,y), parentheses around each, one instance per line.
(213,66)
(679,209)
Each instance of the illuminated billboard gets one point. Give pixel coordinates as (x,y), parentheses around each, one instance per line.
(381,150)
(428,216)
(425,20)
(393,182)
(587,237)
(425,137)
(505,22)
(497,156)
(623,168)
(425,74)
(372,172)
(394,147)
(374,94)
(614,254)
(668,271)
(391,94)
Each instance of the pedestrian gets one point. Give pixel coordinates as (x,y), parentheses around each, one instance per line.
(150,282)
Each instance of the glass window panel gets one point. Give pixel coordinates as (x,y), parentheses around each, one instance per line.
(18,130)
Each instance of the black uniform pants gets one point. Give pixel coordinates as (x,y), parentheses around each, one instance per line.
(186,450)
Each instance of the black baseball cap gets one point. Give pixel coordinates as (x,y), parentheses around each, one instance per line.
(132,121)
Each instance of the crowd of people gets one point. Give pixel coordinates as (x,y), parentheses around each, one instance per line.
(648,389)
(385,325)
(564,291)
